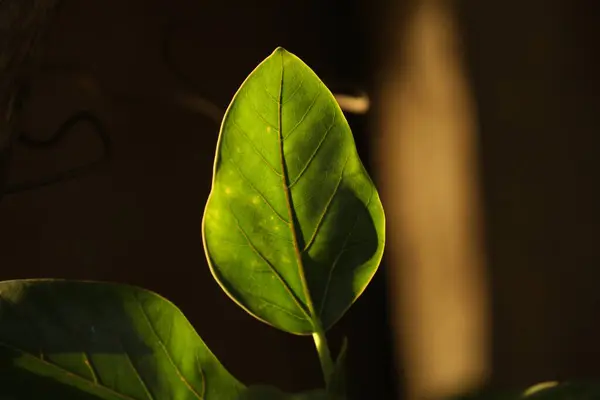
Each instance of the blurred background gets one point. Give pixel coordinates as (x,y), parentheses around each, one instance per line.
(480,130)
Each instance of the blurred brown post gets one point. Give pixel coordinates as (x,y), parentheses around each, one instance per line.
(427,157)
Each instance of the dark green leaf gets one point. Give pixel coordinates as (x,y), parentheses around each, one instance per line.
(293,228)
(86,340)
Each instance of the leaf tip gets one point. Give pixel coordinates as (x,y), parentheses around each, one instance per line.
(279,50)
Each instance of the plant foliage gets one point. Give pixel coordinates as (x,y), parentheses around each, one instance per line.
(293,231)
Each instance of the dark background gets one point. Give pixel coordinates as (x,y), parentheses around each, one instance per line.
(136,218)
(533,70)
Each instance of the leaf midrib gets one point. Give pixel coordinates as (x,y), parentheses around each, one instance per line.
(272,269)
(286,190)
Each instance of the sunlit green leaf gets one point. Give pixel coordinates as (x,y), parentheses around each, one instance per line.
(293,228)
(84,340)
(563,391)
(539,388)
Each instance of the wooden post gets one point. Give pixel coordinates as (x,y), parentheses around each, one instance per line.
(429,185)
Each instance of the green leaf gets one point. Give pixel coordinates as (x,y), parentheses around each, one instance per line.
(562,391)
(293,228)
(87,340)
(541,388)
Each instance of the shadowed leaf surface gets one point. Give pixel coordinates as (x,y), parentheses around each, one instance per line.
(293,228)
(87,340)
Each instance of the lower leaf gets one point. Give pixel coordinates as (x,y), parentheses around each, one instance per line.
(565,390)
(88,340)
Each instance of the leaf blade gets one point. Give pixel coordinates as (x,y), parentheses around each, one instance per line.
(294,187)
(103,341)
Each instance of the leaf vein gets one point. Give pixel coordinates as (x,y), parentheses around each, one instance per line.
(291,96)
(274,305)
(270,95)
(137,373)
(260,115)
(88,362)
(313,155)
(202,376)
(257,191)
(41,357)
(324,213)
(255,149)
(311,105)
(286,286)
(337,258)
(164,348)
(267,232)
(66,371)
(288,201)
(84,355)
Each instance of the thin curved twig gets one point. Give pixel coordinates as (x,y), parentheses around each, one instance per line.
(65,128)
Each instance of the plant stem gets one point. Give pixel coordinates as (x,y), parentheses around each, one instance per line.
(324,354)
